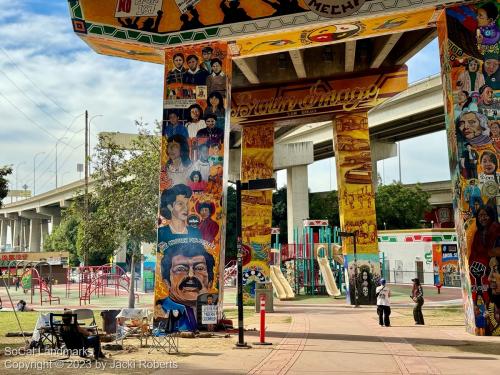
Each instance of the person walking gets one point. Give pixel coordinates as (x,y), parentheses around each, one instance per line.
(383,294)
(417,295)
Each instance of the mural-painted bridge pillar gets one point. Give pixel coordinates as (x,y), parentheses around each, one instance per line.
(469,46)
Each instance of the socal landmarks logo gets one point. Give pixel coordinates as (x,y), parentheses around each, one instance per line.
(334,8)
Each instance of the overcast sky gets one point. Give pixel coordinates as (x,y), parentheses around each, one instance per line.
(48,77)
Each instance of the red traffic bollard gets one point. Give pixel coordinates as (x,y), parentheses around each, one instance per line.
(438,286)
(263,322)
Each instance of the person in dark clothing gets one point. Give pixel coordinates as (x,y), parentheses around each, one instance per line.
(233,13)
(151,25)
(417,295)
(129,23)
(194,22)
(90,338)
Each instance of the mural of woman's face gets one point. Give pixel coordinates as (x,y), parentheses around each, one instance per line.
(482,18)
(470,125)
(495,129)
(491,66)
(195,114)
(462,97)
(214,101)
(473,66)
(196,178)
(487,95)
(488,164)
(483,218)
(174,150)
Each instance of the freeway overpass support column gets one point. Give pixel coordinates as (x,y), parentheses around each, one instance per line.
(35,233)
(357,206)
(25,234)
(3,234)
(16,239)
(44,231)
(473,156)
(297,199)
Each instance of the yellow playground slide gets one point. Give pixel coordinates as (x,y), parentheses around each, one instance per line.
(281,286)
(326,272)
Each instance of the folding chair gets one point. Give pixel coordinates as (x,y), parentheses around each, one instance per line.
(66,332)
(165,337)
(86,314)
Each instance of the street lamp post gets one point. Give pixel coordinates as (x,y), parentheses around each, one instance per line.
(262,184)
(34,171)
(17,170)
(88,136)
(57,142)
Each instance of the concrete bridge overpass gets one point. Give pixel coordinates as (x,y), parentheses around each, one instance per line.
(416,111)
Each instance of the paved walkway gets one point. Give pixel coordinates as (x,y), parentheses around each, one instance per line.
(345,340)
(334,339)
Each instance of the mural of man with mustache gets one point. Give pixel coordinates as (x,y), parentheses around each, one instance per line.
(188,270)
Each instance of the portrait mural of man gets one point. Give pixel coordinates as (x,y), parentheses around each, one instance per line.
(190,241)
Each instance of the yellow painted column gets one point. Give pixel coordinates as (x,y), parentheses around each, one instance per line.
(256,206)
(357,206)
(193,179)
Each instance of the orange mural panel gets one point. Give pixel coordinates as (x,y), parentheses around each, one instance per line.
(316,98)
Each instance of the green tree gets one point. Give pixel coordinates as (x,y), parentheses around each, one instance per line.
(64,236)
(401,207)
(279,213)
(124,204)
(4,184)
(325,205)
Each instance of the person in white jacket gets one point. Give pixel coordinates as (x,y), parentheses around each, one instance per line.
(383,294)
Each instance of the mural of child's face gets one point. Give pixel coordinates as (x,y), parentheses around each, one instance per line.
(216,68)
(195,114)
(488,165)
(210,122)
(196,178)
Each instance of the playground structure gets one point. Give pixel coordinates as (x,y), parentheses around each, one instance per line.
(314,263)
(33,277)
(230,273)
(98,281)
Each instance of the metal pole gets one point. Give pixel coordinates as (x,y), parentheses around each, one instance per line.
(34,171)
(399,160)
(355,272)
(241,340)
(86,198)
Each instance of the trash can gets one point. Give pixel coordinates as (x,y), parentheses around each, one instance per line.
(109,320)
(265,289)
